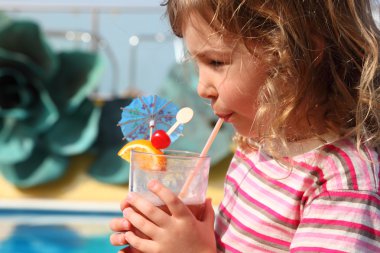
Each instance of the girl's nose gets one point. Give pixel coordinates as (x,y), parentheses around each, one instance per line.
(206,89)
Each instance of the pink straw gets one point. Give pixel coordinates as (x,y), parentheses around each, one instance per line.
(204,152)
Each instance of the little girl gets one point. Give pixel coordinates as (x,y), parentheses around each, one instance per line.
(299,82)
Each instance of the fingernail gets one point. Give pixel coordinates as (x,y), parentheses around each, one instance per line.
(130,196)
(126,212)
(121,239)
(125,224)
(153,185)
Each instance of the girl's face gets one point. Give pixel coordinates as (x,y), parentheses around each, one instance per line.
(229,75)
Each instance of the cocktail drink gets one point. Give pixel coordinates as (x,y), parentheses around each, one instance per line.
(172,169)
(184,173)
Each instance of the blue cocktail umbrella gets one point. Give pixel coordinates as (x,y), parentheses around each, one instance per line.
(145,115)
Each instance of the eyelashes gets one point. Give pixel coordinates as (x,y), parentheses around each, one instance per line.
(216,63)
(207,60)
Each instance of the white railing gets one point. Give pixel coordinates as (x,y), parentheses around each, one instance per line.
(80,6)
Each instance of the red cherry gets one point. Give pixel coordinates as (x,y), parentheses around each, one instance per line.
(160,139)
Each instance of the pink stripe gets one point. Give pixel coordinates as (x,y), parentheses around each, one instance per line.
(291,222)
(335,237)
(269,227)
(319,172)
(342,224)
(315,249)
(297,194)
(228,247)
(374,165)
(293,176)
(221,242)
(234,164)
(354,195)
(238,171)
(348,163)
(363,166)
(378,159)
(255,233)
(229,196)
(331,165)
(270,195)
(225,246)
(220,224)
(344,209)
(235,239)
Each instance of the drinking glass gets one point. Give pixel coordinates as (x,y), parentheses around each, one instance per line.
(184,173)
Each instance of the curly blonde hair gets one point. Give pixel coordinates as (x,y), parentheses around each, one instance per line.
(320,53)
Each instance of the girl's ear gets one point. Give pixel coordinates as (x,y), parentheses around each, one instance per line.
(318,47)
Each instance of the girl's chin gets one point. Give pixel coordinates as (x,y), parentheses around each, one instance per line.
(245,131)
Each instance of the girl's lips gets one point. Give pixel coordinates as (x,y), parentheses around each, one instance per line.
(225,117)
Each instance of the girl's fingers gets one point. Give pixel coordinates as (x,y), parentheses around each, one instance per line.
(124,204)
(144,225)
(118,239)
(129,250)
(145,207)
(125,250)
(174,204)
(120,224)
(140,244)
(209,215)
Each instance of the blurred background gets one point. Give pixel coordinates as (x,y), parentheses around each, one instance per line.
(66,69)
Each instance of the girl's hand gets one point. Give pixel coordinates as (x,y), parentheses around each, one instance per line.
(178,232)
(119,226)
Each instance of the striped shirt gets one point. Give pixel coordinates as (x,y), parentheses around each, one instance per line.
(329,201)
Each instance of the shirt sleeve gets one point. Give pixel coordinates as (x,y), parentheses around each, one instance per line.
(340,221)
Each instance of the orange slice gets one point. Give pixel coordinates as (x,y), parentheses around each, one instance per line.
(156,163)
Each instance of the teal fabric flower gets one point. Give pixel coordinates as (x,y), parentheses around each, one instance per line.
(107,166)
(45,114)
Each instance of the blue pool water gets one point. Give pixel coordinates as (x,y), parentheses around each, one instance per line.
(55,231)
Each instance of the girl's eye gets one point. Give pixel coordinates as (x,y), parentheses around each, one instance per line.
(216,63)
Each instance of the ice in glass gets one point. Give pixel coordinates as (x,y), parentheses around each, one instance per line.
(173,169)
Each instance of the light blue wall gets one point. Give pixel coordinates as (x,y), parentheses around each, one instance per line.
(146,72)
(149,70)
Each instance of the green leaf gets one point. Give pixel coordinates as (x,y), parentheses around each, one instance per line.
(74,132)
(16,142)
(45,113)
(109,168)
(15,97)
(77,77)
(41,167)
(37,107)
(4,20)
(26,38)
